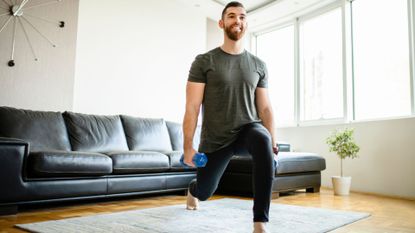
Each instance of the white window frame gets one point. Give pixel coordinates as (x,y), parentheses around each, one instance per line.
(349,42)
(311,15)
(347,63)
(275,27)
(411,30)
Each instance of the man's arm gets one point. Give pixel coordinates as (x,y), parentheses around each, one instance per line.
(194,98)
(264,109)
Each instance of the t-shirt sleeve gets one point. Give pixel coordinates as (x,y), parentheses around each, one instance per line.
(197,70)
(263,73)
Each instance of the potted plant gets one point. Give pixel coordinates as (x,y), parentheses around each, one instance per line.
(342,142)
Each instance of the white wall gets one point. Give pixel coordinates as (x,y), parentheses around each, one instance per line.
(214,34)
(133,57)
(46,84)
(386,160)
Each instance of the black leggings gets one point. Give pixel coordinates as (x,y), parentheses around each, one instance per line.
(254,139)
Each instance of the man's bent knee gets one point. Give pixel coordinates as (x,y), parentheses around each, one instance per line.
(203,197)
(198,192)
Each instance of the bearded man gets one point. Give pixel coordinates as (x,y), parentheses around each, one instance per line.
(231,86)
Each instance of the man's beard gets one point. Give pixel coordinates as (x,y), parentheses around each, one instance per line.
(234,35)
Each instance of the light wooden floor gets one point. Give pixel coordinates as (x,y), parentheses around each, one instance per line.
(388,214)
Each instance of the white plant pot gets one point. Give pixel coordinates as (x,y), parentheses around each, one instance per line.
(341,185)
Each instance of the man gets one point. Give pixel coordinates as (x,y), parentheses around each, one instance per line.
(231,86)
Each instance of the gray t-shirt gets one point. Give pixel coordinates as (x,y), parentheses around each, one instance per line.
(229,97)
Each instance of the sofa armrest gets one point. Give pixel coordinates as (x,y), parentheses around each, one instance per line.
(4,140)
(12,158)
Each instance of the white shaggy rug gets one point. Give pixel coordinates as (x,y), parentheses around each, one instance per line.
(216,216)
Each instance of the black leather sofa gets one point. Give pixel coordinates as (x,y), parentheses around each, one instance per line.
(54,156)
(296,170)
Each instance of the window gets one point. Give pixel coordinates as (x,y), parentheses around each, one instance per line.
(276,49)
(321,67)
(307,70)
(381,58)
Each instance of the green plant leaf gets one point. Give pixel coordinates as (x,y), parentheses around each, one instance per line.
(342,142)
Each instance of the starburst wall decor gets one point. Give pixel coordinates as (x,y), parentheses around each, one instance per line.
(17,13)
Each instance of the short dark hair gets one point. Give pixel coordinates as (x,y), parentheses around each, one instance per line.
(231,4)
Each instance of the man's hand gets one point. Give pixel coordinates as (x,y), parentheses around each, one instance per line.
(275,149)
(188,157)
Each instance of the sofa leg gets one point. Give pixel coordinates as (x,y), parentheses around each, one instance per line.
(8,209)
(275,195)
(313,190)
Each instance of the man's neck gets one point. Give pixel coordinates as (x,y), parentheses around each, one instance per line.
(232,47)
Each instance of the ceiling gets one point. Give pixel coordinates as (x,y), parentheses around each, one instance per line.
(260,12)
(250,5)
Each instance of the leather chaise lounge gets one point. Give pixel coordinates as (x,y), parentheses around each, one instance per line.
(52,156)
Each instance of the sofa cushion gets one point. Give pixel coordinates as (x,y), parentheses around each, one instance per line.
(43,130)
(176,136)
(137,162)
(146,134)
(175,164)
(62,163)
(95,133)
(295,162)
(288,162)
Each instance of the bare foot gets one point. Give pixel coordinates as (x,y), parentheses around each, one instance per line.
(192,202)
(260,227)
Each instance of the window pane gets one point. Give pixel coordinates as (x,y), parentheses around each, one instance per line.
(276,48)
(321,76)
(381,58)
